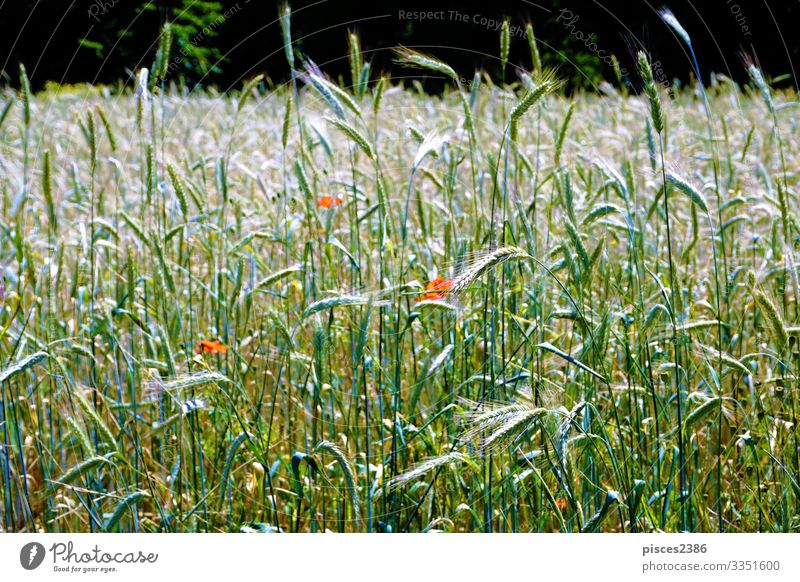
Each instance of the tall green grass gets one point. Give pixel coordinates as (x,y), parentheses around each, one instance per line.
(498,310)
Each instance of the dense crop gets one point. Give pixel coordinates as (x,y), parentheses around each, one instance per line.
(368,309)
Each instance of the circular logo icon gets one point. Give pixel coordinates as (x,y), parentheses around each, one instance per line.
(31,555)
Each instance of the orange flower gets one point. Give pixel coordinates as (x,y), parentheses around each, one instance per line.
(328,201)
(210,347)
(436,289)
(561,503)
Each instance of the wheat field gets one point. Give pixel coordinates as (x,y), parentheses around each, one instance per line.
(355,307)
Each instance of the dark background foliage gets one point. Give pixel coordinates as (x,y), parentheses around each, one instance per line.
(224,41)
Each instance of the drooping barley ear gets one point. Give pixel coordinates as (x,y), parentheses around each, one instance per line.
(76,472)
(354,55)
(563,133)
(651,90)
(180,192)
(25,89)
(285,15)
(353,134)
(247,90)
(342,95)
(333,302)
(47,190)
(378,95)
(80,433)
(91,413)
(600,211)
(690,191)
(277,276)
(21,365)
(427,466)
(418,136)
(419,60)
(193,381)
(123,506)
(112,141)
(546,86)
(758,80)
(669,18)
(536,59)
(777,329)
(726,358)
(287,120)
(595,521)
(322,88)
(505,44)
(706,409)
(484,264)
(347,470)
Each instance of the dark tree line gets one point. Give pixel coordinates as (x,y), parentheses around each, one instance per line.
(220,42)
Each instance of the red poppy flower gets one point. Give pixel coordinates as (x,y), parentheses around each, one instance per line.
(328,201)
(436,289)
(210,347)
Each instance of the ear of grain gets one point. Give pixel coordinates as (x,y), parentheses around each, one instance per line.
(562,133)
(112,140)
(333,302)
(651,90)
(484,264)
(377,98)
(287,119)
(22,365)
(536,60)
(347,471)
(247,91)
(76,472)
(427,466)
(690,191)
(353,134)
(285,19)
(80,433)
(705,410)
(417,59)
(775,325)
(594,522)
(25,90)
(127,503)
(354,56)
(180,192)
(505,43)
